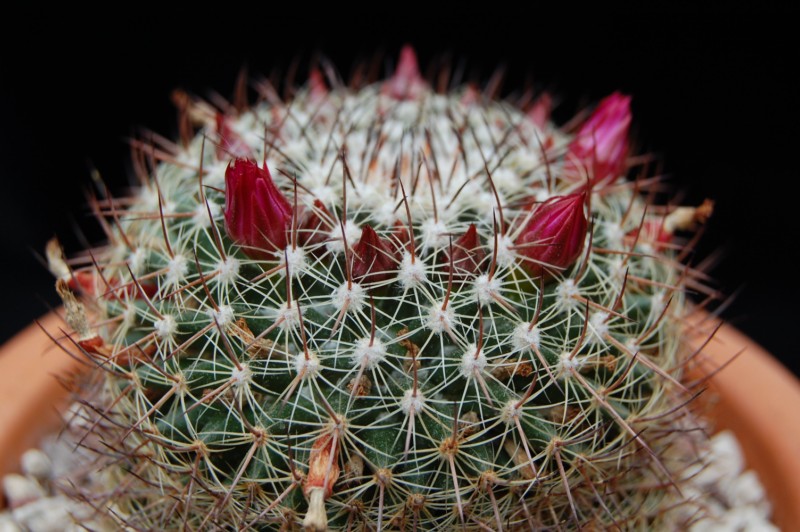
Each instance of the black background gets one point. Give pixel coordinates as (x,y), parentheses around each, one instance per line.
(715,97)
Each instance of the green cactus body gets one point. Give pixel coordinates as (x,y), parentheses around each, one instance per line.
(276,390)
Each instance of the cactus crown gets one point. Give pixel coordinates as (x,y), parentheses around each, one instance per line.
(385,307)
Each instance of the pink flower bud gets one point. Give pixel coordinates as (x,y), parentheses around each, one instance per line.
(601,144)
(467,254)
(540,111)
(553,237)
(91,284)
(257,215)
(317,89)
(661,231)
(406,83)
(471,96)
(315,227)
(651,231)
(231,145)
(373,258)
(401,237)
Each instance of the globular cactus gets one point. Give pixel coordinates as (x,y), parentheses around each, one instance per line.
(386,308)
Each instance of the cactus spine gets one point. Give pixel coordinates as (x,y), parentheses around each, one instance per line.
(385,308)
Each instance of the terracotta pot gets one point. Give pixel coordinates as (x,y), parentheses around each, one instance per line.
(33,371)
(756,398)
(759,400)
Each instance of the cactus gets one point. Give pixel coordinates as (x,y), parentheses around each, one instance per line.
(385,307)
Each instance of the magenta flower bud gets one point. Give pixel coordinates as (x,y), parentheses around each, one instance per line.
(231,145)
(468,254)
(540,111)
(553,237)
(315,227)
(317,89)
(601,144)
(373,258)
(257,215)
(406,83)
